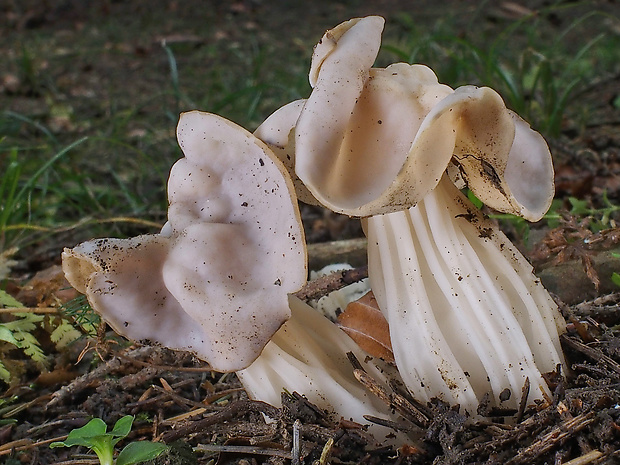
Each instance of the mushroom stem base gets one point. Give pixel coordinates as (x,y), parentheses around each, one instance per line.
(308,355)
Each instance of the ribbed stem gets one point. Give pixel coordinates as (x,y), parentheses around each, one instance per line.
(467,316)
(308,354)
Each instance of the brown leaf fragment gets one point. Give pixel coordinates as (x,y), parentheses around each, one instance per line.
(591,272)
(59,376)
(365,324)
(47,288)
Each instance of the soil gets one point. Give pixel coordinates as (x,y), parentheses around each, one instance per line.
(174,397)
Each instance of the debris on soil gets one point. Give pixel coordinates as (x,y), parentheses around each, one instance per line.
(178,400)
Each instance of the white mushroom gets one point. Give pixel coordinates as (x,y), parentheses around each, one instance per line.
(467,316)
(216,280)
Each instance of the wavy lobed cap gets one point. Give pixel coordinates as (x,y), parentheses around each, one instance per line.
(370,141)
(216,280)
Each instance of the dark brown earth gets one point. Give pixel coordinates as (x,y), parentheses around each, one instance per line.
(178,400)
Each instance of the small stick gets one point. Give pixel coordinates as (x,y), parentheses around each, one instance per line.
(234,409)
(296,449)
(525,392)
(385,422)
(25,444)
(29,310)
(332,282)
(594,354)
(178,399)
(326,452)
(202,369)
(554,437)
(586,458)
(395,400)
(250,450)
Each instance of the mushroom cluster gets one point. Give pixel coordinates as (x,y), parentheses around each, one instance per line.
(468,319)
(216,281)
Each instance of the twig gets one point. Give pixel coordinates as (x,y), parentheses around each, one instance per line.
(326,452)
(525,392)
(25,444)
(526,428)
(351,251)
(14,410)
(93,461)
(613,298)
(250,450)
(585,458)
(83,222)
(394,400)
(202,369)
(554,437)
(178,399)
(332,282)
(594,354)
(92,378)
(296,449)
(29,310)
(385,422)
(220,395)
(565,415)
(236,408)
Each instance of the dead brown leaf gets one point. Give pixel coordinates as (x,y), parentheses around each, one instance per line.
(47,288)
(365,324)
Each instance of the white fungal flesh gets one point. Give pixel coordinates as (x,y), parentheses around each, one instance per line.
(308,355)
(277,131)
(370,141)
(215,281)
(466,314)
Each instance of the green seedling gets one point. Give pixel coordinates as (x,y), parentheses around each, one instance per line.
(94,436)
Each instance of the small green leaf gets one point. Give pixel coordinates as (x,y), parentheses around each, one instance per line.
(85,435)
(6,300)
(5,375)
(122,427)
(579,207)
(615,278)
(103,447)
(6,335)
(64,334)
(140,451)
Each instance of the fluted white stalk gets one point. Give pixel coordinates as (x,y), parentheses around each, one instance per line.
(308,354)
(466,313)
